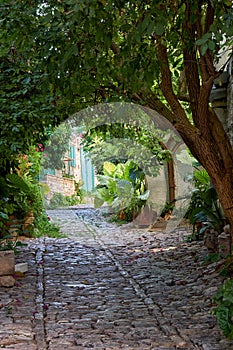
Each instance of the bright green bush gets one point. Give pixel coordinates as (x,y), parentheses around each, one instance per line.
(122,187)
(58,200)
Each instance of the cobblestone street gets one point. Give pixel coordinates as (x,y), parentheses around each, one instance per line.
(106,287)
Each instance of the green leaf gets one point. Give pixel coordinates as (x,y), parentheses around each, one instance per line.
(150,28)
(144,196)
(120,171)
(228,296)
(159,29)
(109,169)
(203,39)
(211,45)
(145,23)
(224,320)
(3,216)
(203,49)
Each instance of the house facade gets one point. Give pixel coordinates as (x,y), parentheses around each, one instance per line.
(78,171)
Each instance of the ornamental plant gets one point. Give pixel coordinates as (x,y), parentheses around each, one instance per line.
(122,187)
(224,308)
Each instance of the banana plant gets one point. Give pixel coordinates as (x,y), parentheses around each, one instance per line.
(121,186)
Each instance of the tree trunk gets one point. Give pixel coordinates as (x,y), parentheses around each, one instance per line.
(214,153)
(224,188)
(211,147)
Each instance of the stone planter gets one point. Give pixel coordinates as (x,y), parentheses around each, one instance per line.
(7,262)
(7,268)
(145,217)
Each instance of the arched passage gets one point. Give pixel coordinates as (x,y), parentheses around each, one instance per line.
(140,117)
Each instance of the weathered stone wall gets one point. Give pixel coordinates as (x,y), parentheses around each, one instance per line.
(59,184)
(158,190)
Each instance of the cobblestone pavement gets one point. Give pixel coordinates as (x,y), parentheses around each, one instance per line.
(111,288)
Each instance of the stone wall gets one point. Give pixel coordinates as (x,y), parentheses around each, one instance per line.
(158,191)
(59,184)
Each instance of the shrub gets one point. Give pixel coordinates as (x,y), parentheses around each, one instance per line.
(59,200)
(224,309)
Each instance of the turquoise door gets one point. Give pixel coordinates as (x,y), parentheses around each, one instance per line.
(87,171)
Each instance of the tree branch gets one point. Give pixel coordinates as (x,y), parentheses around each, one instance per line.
(206,61)
(150,100)
(191,63)
(207,70)
(184,98)
(166,84)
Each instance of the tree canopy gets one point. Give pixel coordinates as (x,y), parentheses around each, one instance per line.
(100,143)
(161,54)
(93,51)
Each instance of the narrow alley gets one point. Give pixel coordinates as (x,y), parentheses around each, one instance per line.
(109,287)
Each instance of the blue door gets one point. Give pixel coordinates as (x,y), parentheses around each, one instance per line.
(87,171)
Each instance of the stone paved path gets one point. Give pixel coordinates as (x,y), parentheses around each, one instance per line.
(111,288)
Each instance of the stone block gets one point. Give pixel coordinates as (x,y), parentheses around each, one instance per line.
(7,262)
(211,240)
(7,281)
(224,244)
(22,267)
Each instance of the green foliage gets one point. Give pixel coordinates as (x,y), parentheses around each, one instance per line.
(211,40)
(29,164)
(118,142)
(56,147)
(26,112)
(224,309)
(105,57)
(209,213)
(121,186)
(18,194)
(44,227)
(168,208)
(9,242)
(58,200)
(27,100)
(212,257)
(68,54)
(80,191)
(204,207)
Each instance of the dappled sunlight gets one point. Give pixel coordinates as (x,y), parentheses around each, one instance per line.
(156,250)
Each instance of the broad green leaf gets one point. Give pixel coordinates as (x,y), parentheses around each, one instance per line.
(144,196)
(203,49)
(159,29)
(109,169)
(150,28)
(211,45)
